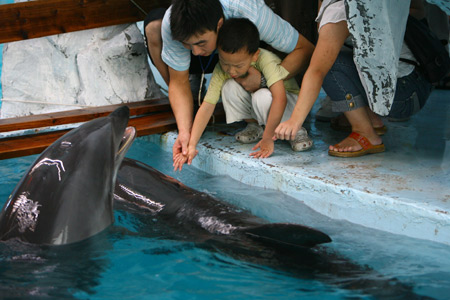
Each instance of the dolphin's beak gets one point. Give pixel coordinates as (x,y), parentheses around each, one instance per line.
(127,139)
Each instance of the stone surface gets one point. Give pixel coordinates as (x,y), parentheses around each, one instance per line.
(405,190)
(93,67)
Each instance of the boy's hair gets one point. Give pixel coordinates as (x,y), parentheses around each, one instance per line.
(238,34)
(189,17)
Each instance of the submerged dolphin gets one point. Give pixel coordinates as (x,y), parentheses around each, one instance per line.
(179,212)
(199,216)
(67,193)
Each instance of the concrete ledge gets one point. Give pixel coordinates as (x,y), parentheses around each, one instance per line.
(405,190)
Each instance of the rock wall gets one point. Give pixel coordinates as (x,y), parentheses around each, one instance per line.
(93,67)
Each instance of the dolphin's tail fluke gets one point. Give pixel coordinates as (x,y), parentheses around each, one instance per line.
(287,235)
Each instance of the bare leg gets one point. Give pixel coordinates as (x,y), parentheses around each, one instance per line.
(154,44)
(374,118)
(376,121)
(361,123)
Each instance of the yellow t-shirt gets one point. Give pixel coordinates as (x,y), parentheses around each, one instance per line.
(267,63)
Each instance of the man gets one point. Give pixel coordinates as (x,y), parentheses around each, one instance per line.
(192,26)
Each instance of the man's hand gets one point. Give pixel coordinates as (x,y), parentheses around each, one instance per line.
(266,148)
(180,145)
(251,83)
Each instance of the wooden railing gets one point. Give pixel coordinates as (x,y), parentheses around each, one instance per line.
(148,117)
(26,20)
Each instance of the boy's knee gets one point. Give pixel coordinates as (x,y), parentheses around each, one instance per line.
(231,84)
(231,88)
(262,97)
(263,93)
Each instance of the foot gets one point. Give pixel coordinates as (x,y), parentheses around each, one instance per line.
(357,145)
(444,84)
(302,141)
(325,113)
(252,133)
(341,123)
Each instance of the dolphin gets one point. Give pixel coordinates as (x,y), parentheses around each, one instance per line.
(67,194)
(199,215)
(168,208)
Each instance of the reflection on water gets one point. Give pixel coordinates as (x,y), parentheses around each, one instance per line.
(136,259)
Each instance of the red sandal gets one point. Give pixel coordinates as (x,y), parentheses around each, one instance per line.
(367,147)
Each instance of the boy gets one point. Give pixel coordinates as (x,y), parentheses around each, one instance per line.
(238,49)
(191,27)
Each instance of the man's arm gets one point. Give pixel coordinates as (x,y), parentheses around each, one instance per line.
(180,97)
(280,35)
(298,60)
(154,46)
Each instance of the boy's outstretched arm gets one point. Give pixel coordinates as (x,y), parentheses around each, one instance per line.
(201,120)
(276,112)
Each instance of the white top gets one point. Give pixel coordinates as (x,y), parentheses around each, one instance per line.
(272,29)
(333,11)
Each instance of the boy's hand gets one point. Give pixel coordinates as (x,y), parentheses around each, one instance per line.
(266,148)
(192,152)
(178,161)
(287,130)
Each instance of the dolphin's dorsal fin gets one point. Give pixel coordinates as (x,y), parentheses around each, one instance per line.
(287,235)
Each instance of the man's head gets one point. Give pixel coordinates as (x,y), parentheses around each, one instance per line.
(238,46)
(195,23)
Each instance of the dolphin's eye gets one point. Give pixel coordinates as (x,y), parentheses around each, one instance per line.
(66,144)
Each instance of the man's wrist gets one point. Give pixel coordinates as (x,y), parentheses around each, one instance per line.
(184,132)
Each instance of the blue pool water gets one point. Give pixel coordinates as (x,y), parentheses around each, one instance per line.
(137,264)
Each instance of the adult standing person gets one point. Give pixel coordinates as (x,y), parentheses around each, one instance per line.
(191,27)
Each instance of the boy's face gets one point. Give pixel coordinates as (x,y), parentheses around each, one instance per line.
(236,64)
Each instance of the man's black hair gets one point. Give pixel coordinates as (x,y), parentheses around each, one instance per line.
(237,34)
(189,17)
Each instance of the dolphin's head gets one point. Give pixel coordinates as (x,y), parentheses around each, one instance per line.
(66,195)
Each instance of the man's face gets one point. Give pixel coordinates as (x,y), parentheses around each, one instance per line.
(236,64)
(202,44)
